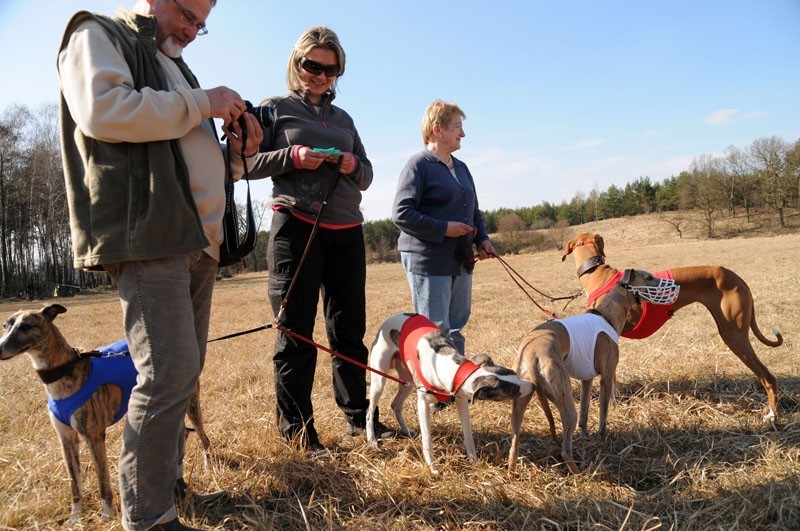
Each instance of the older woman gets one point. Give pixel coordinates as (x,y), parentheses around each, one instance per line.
(436,210)
(305,120)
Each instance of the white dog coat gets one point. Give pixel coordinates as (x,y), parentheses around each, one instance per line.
(583,330)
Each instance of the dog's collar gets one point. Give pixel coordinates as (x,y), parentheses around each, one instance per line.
(590,264)
(49,376)
(605,288)
(464,371)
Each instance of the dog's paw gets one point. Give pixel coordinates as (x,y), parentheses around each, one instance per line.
(74,522)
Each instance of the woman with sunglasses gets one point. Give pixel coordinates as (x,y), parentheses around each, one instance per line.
(319,169)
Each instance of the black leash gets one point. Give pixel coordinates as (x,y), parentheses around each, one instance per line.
(244,332)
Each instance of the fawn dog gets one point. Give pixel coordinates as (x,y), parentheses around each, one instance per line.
(726,296)
(581,347)
(426,357)
(64,371)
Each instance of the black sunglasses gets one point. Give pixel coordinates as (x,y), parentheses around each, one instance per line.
(313,67)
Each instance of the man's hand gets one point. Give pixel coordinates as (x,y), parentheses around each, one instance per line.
(226,104)
(255,135)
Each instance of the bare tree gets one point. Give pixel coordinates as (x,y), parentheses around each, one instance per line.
(793,170)
(704,188)
(34,224)
(768,159)
(512,227)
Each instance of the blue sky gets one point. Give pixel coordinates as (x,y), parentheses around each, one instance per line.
(560,97)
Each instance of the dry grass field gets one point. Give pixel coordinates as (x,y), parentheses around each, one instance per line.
(686,447)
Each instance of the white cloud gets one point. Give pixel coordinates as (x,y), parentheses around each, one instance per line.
(721,117)
(729,116)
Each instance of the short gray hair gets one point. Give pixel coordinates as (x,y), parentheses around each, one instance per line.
(439,112)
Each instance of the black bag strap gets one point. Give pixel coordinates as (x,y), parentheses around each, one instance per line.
(232,249)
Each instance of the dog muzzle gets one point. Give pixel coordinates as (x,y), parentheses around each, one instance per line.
(665,293)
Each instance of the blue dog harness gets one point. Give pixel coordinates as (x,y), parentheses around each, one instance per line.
(114,367)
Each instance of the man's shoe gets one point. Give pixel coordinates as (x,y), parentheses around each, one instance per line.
(381,431)
(173,525)
(184,495)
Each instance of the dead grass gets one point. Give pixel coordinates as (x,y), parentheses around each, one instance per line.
(686,448)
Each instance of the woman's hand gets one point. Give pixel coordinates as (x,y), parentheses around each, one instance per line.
(348,162)
(486,250)
(456,229)
(310,159)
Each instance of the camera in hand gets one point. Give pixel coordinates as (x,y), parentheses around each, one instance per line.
(263,113)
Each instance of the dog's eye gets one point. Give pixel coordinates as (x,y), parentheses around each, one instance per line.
(24,327)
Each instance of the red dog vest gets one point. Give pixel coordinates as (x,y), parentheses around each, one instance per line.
(653,315)
(411,332)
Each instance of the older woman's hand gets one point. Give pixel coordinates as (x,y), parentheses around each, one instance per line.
(456,229)
(486,250)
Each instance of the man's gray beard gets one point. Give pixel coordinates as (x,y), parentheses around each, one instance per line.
(171,48)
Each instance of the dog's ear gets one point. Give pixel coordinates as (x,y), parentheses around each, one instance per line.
(482,360)
(394,335)
(628,276)
(568,248)
(52,311)
(600,245)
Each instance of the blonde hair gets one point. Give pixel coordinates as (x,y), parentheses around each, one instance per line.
(318,36)
(441,113)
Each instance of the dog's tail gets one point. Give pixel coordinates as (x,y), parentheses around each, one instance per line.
(757,332)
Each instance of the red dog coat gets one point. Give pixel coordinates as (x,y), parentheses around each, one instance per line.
(653,315)
(411,332)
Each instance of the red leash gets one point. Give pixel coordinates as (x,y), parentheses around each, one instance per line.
(339,355)
(331,352)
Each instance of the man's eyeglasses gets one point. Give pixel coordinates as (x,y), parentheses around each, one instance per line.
(190,19)
(313,67)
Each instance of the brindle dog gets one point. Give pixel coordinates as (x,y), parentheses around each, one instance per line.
(33,332)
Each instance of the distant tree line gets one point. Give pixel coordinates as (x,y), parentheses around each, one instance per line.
(764,176)
(36,251)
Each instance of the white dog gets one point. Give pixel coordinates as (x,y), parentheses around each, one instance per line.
(426,357)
